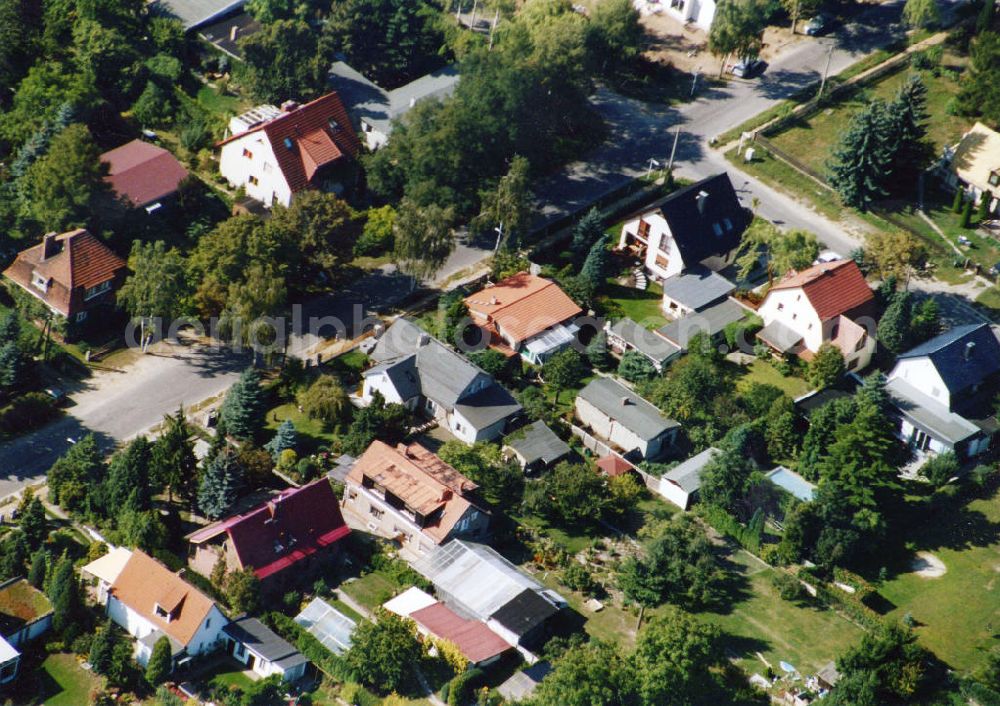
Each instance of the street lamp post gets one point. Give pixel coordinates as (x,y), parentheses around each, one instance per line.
(649,169)
(694,81)
(822,84)
(673,150)
(499,230)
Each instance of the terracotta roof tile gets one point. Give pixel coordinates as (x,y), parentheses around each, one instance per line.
(613,465)
(475,641)
(80,261)
(307,138)
(523,306)
(143,173)
(420,479)
(833,288)
(145,583)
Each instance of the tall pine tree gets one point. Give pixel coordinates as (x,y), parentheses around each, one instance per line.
(861,160)
(596,264)
(894,326)
(64,594)
(586,232)
(174,465)
(127,485)
(34,524)
(245,405)
(102,649)
(907,132)
(284,438)
(12,364)
(219,485)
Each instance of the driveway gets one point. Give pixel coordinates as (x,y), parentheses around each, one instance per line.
(117,405)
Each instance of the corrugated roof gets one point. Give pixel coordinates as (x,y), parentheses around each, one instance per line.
(193,13)
(687,474)
(616,401)
(697,287)
(833,288)
(523,305)
(475,641)
(524,612)
(143,173)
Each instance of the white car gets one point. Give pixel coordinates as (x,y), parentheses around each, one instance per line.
(747,68)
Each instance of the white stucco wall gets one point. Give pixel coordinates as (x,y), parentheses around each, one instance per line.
(792,308)
(237,169)
(660,241)
(674,494)
(614,432)
(205,639)
(380,382)
(922,375)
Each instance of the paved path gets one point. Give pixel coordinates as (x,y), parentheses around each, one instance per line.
(115,406)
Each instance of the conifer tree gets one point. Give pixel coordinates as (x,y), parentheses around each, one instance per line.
(219,485)
(861,160)
(10,327)
(174,464)
(596,264)
(586,232)
(284,438)
(245,405)
(13,555)
(11,364)
(64,594)
(160,663)
(894,326)
(33,523)
(102,649)
(39,565)
(127,485)
(907,133)
(984,21)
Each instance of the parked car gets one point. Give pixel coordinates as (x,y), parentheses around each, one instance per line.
(56,394)
(817,25)
(748,68)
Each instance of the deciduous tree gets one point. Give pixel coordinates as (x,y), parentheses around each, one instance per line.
(156,287)
(635,367)
(921,14)
(383,653)
(282,61)
(563,370)
(325,400)
(827,367)
(423,237)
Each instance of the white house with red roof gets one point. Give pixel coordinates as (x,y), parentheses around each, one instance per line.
(274,153)
(143,174)
(281,540)
(525,314)
(828,303)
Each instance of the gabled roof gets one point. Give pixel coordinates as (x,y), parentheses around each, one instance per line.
(963,356)
(705,218)
(928,414)
(523,305)
(631,411)
(475,641)
(75,259)
(332,628)
(833,288)
(143,173)
(293,525)
(614,465)
(687,474)
(709,321)
(697,287)
(107,567)
(307,138)
(536,442)
(522,613)
(145,583)
(260,640)
(420,479)
(977,156)
(193,13)
(650,344)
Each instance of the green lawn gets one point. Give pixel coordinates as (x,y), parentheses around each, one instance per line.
(370,590)
(812,139)
(233,678)
(990,299)
(311,431)
(222,105)
(802,634)
(65,682)
(640,305)
(346,610)
(957,614)
(763,372)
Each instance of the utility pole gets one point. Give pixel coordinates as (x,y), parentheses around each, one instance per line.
(694,82)
(673,150)
(822,83)
(493,28)
(475,8)
(499,230)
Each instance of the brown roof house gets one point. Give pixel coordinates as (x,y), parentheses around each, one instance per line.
(73,274)
(142,174)
(149,601)
(274,153)
(409,494)
(826,303)
(525,314)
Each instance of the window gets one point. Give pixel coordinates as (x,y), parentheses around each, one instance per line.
(809,327)
(717,229)
(375,512)
(643,229)
(161,612)
(798,298)
(253,180)
(861,342)
(247,153)
(781,307)
(995,178)
(794,316)
(97,290)
(351,494)
(208,623)
(82,316)
(39,281)
(728,223)
(459,427)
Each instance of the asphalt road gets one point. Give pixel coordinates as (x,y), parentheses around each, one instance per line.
(115,406)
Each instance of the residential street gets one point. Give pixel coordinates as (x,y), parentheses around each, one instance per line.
(118,405)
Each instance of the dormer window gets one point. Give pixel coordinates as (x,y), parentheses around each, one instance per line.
(161,612)
(334,125)
(288,143)
(40,282)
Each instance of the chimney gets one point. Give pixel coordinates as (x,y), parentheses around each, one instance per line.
(701,199)
(49,246)
(423,339)
(626,401)
(493,301)
(233,33)
(289,105)
(970,348)
(413,102)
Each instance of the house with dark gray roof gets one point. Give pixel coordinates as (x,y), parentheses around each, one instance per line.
(628,423)
(942,391)
(680,484)
(252,643)
(702,223)
(627,335)
(416,370)
(535,447)
(693,290)
(710,321)
(374,108)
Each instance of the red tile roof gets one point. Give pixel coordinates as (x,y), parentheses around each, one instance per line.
(614,466)
(315,141)
(76,260)
(522,306)
(293,525)
(475,641)
(143,173)
(833,288)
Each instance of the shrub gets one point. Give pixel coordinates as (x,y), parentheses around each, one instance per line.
(787,586)
(576,577)
(940,469)
(27,412)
